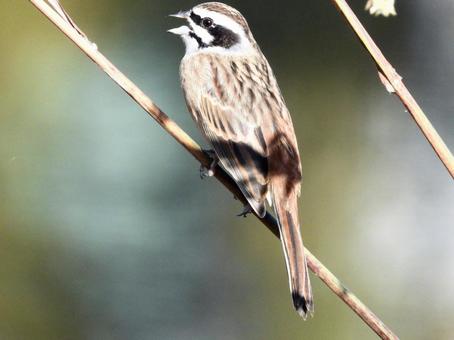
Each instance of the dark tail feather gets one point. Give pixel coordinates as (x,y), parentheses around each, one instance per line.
(287,215)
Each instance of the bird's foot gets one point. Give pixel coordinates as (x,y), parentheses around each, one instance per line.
(209,172)
(204,172)
(246,211)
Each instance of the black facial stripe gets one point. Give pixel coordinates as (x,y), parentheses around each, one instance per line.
(223,37)
(196,18)
(198,39)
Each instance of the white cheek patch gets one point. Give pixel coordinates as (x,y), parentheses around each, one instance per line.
(193,44)
(243,45)
(202,33)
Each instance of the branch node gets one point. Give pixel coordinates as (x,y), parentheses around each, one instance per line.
(58,8)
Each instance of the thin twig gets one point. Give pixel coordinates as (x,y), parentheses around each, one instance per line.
(66,26)
(401,91)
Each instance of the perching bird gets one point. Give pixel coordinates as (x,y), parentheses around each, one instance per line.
(235,100)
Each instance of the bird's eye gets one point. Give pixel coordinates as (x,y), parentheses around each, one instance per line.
(207,22)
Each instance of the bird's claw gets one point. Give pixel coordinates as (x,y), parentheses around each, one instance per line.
(209,172)
(246,211)
(204,172)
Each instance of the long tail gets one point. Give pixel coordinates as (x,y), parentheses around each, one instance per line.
(286,210)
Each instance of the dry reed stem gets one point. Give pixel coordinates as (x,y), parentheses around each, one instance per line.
(67,26)
(395,80)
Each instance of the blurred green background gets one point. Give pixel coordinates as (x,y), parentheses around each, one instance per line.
(107,232)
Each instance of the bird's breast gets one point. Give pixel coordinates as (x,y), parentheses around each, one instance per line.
(234,80)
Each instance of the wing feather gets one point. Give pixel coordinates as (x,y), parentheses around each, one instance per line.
(238,142)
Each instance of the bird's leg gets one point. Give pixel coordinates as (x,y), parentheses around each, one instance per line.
(247,209)
(209,172)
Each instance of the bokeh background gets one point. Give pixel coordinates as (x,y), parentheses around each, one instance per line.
(107,231)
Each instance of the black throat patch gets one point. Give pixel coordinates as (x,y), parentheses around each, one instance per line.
(222,36)
(198,39)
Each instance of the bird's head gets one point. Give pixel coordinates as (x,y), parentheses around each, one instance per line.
(214,26)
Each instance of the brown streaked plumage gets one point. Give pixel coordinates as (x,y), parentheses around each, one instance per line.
(227,11)
(234,98)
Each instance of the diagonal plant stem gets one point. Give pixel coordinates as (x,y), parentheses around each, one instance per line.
(398,87)
(68,27)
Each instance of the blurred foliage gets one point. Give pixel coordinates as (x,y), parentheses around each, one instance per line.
(108,233)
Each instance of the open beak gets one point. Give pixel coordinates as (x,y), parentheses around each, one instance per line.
(180,15)
(182,30)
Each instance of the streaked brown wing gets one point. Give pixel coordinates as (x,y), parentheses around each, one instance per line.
(238,141)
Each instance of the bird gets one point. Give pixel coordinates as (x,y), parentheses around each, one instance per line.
(234,98)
